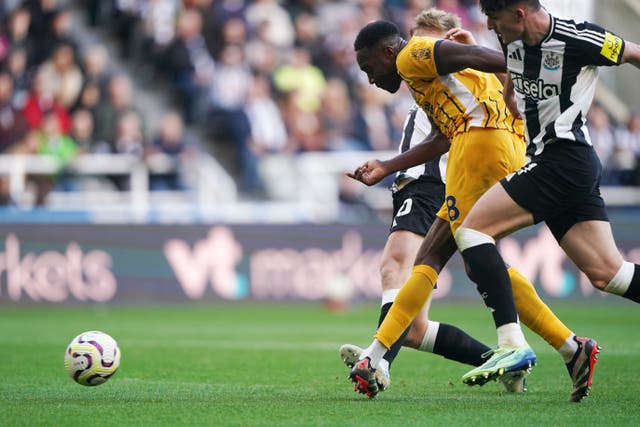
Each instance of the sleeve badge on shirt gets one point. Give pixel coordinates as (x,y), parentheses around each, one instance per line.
(611,47)
(421,53)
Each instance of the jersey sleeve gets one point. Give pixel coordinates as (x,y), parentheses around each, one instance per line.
(417,62)
(599,46)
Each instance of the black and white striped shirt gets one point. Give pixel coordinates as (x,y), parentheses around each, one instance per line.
(416,128)
(555,81)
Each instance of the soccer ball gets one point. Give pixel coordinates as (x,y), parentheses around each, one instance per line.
(92,358)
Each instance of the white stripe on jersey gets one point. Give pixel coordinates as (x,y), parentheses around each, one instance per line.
(584,38)
(467,98)
(584,35)
(421,128)
(549,109)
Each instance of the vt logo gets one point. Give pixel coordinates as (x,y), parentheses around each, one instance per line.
(212,260)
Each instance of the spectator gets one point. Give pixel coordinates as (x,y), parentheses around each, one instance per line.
(211,23)
(16,66)
(279,28)
(129,135)
(302,77)
(54,142)
(41,100)
(16,34)
(82,130)
(129,139)
(13,126)
(62,76)
(374,115)
(303,127)
(268,133)
(230,87)
(626,154)
(127,14)
(234,32)
(601,132)
(263,56)
(308,37)
(158,31)
(58,31)
(90,100)
(190,65)
(171,140)
(339,119)
(96,68)
(117,103)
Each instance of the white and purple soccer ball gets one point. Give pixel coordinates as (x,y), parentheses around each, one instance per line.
(92,358)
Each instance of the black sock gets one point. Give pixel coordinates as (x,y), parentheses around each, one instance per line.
(633,292)
(455,344)
(391,354)
(487,269)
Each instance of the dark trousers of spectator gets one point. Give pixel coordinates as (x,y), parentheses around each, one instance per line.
(233,125)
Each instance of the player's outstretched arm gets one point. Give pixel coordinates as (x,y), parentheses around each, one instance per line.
(374,171)
(453,57)
(631,54)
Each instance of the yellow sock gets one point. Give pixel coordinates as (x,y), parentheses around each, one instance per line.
(534,313)
(408,303)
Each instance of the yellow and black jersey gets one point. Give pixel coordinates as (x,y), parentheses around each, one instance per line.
(456,102)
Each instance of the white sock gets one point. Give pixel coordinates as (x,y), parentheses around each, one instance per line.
(568,349)
(510,335)
(621,281)
(389,296)
(429,339)
(374,352)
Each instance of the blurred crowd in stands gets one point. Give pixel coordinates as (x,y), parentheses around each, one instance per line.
(258,76)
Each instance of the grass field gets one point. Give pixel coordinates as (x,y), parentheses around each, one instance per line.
(276,365)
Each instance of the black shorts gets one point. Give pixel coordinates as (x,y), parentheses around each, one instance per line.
(415,206)
(561,186)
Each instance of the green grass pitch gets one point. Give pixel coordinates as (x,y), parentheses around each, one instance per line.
(245,364)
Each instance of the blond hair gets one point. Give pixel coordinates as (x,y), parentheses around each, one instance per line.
(436,19)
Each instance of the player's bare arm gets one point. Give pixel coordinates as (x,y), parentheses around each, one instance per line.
(509,96)
(374,171)
(453,57)
(631,54)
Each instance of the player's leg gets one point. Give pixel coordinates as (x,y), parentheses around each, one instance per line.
(485,156)
(436,249)
(591,246)
(578,353)
(395,266)
(487,269)
(410,299)
(497,213)
(422,334)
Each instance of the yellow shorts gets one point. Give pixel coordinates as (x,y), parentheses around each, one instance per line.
(478,159)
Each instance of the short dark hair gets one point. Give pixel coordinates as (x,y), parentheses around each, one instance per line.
(491,6)
(372,33)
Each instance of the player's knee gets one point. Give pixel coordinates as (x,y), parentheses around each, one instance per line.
(392,274)
(598,280)
(601,276)
(467,238)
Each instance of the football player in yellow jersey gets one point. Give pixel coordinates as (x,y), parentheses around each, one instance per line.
(473,123)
